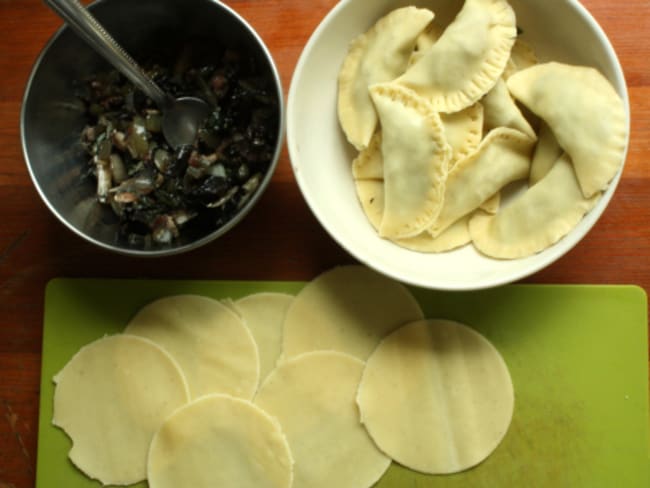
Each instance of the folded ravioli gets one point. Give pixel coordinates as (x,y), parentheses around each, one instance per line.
(416,157)
(502,157)
(546,154)
(492,205)
(424,41)
(584,112)
(522,56)
(500,110)
(379,55)
(369,164)
(537,219)
(371,196)
(463,131)
(468,59)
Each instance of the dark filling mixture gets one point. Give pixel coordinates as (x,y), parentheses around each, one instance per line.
(160,193)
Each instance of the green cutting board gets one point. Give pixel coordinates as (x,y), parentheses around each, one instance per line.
(578,356)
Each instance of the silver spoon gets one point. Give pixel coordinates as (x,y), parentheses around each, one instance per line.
(182,117)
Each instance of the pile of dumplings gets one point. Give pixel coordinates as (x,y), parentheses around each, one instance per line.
(445,120)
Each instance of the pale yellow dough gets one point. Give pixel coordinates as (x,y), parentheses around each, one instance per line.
(547,152)
(500,110)
(110,399)
(347,309)
(379,55)
(220,441)
(465,63)
(313,398)
(535,220)
(436,396)
(264,315)
(213,346)
(585,113)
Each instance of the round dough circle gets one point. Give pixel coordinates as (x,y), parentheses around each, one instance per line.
(313,398)
(436,396)
(110,398)
(220,441)
(348,309)
(212,345)
(264,315)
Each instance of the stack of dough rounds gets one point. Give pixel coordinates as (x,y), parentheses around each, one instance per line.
(110,399)
(347,309)
(213,346)
(313,398)
(436,396)
(220,441)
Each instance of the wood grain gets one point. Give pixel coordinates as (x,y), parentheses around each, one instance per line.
(281,239)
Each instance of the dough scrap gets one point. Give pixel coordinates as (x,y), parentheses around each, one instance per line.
(436,396)
(347,309)
(465,63)
(415,160)
(220,441)
(502,157)
(500,110)
(584,112)
(547,152)
(537,219)
(379,55)
(213,346)
(110,399)
(313,397)
(371,196)
(264,315)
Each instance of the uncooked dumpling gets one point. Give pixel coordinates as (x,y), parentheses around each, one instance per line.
(424,41)
(546,154)
(219,441)
(347,309)
(111,398)
(379,55)
(502,157)
(313,398)
(500,110)
(436,396)
(371,196)
(369,164)
(464,131)
(537,219)
(468,59)
(213,346)
(584,112)
(522,56)
(415,155)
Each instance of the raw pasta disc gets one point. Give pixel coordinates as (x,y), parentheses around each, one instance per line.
(436,396)
(347,309)
(379,55)
(547,152)
(502,157)
(371,196)
(415,157)
(220,441)
(110,399)
(537,219)
(465,63)
(264,314)
(213,346)
(584,112)
(313,398)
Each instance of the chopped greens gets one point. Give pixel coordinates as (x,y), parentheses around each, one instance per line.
(158,193)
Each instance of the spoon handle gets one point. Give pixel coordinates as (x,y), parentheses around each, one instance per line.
(87,26)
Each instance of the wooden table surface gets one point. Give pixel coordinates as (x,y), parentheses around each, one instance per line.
(280,239)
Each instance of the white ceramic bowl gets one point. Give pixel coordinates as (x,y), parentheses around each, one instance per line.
(561,30)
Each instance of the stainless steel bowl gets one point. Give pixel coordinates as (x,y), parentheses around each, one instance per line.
(52,119)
